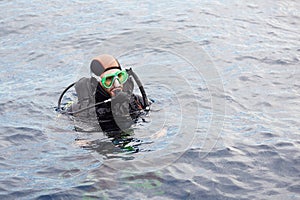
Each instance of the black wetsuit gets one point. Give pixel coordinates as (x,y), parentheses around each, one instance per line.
(115,115)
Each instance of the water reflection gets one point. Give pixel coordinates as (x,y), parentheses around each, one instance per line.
(117,144)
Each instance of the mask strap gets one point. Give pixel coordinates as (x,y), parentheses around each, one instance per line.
(115,67)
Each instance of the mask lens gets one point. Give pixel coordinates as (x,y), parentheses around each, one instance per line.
(108,81)
(122,76)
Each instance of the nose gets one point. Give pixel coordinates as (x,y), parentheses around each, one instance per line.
(117,83)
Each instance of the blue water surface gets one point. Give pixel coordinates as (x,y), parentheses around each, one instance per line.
(224,77)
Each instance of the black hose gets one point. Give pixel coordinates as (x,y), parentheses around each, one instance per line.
(89,107)
(141,87)
(62,94)
(86,108)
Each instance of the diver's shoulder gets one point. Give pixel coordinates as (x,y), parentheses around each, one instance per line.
(83,81)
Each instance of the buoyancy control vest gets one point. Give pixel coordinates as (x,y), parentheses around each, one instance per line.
(94,103)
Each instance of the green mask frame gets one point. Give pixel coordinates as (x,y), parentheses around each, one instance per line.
(108,79)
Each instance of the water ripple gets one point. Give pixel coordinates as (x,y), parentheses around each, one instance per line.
(47,45)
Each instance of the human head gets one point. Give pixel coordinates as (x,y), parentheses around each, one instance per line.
(103,65)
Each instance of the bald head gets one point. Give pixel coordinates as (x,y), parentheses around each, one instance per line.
(103,63)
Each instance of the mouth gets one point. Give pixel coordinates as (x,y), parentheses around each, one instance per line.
(114,91)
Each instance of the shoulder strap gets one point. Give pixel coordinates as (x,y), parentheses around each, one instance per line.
(85,90)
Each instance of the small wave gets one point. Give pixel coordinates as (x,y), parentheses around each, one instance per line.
(20,135)
(59,195)
(270,61)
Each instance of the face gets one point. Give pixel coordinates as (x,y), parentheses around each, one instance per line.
(116,84)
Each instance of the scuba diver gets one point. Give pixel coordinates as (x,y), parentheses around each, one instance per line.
(107,96)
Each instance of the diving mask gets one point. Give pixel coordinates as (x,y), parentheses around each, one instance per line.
(108,79)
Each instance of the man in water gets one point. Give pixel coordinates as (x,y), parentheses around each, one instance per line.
(110,89)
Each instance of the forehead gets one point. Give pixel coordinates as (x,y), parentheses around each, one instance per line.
(111,71)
